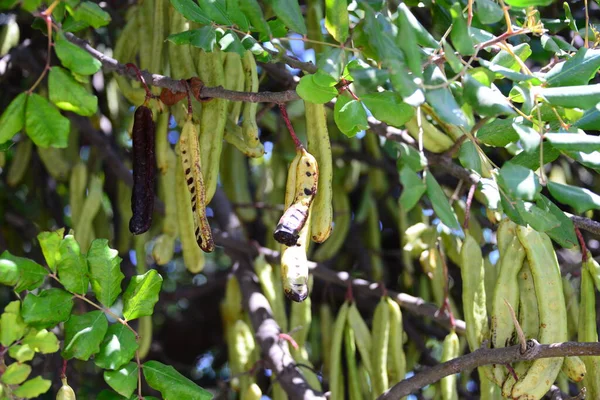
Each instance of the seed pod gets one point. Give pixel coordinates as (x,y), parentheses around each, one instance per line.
(450,351)
(144,174)
(65,392)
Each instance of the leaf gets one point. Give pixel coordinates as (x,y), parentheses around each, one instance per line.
(105,271)
(289,12)
(404,85)
(488,11)
(141,295)
(531,160)
(440,203)
(215,12)
(530,138)
(503,72)
(506,60)
(410,157)
(581,199)
(350,116)
(519,182)
(336,19)
(71,25)
(33,388)
(583,97)
(489,190)
(50,244)
(117,348)
(12,326)
(331,62)
(388,107)
(469,157)
(591,160)
(13,117)
(486,101)
(407,41)
(44,124)
(539,219)
(47,309)
(578,70)
(442,100)
(204,38)
(15,374)
(230,42)
(460,35)
(190,10)
(171,384)
(564,234)
(310,91)
(41,341)
(255,15)
(452,58)
(75,58)
(413,188)
(72,266)
(424,38)
(590,119)
(556,44)
(83,335)
(68,94)
(31,274)
(92,14)
(511,211)
(123,381)
(9,272)
(574,142)
(21,353)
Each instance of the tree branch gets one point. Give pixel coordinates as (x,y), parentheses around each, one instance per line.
(176,86)
(485,356)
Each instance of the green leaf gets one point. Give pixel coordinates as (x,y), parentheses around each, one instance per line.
(92,14)
(123,381)
(413,188)
(337,21)
(590,119)
(41,341)
(488,11)
(539,219)
(519,182)
(255,15)
(204,38)
(469,157)
(460,35)
(70,95)
(289,12)
(578,70)
(33,388)
(530,138)
(331,62)
(141,295)
(9,272)
(237,16)
(15,374)
(583,97)
(388,107)
(404,84)
(509,208)
(581,199)
(190,10)
(72,267)
(531,160)
(31,274)
(110,395)
(50,244)
(47,309)
(507,60)
(44,123)
(452,58)
(83,335)
(12,326)
(442,100)
(21,353)
(230,42)
(574,142)
(13,118)
(171,384)
(350,116)
(564,234)
(75,58)
(440,204)
(591,160)
(556,44)
(503,72)
(486,101)
(490,192)
(310,91)
(105,271)
(117,348)
(410,157)
(423,36)
(215,11)
(407,41)
(527,3)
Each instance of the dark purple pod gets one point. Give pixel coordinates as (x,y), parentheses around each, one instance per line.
(144,171)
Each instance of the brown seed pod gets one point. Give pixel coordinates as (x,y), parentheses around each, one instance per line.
(144,171)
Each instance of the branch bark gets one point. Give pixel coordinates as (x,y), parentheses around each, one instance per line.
(176,86)
(487,356)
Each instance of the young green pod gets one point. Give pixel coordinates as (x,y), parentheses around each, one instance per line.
(450,350)
(65,392)
(379,353)
(336,376)
(588,330)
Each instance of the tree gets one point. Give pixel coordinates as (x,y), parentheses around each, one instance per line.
(441,166)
